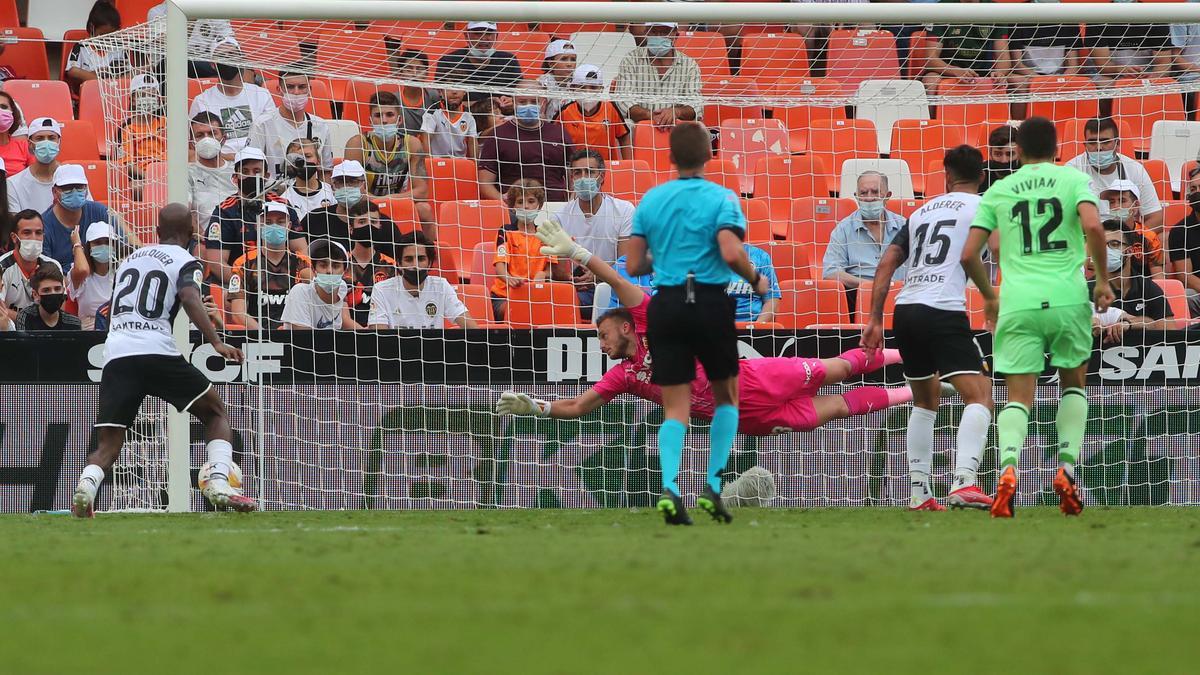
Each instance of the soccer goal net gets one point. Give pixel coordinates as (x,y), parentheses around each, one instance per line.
(830,123)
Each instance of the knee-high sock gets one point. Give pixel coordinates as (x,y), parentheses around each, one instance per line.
(670,452)
(1071,421)
(721,436)
(972,436)
(1012,425)
(857,358)
(863,400)
(919,437)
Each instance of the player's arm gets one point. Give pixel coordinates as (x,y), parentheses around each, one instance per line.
(638,260)
(972,263)
(513,403)
(1089,219)
(894,256)
(189,297)
(559,243)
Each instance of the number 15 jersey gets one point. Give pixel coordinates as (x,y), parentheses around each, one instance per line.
(1042,246)
(933,240)
(146,299)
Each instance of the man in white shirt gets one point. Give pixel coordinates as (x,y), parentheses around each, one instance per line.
(210,176)
(32,188)
(320,303)
(1103,162)
(19,264)
(288,122)
(238,104)
(414,298)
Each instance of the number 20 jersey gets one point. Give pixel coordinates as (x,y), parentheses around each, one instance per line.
(933,238)
(146,299)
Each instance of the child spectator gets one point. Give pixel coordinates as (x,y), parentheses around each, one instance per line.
(1124,206)
(558,68)
(262,278)
(93,274)
(450,127)
(308,192)
(49,295)
(593,123)
(518,250)
(368,266)
(14,150)
(321,303)
(415,298)
(86,62)
(142,138)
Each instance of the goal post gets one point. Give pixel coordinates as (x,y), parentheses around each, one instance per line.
(313,444)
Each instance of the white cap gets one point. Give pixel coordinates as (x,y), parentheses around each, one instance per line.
(587,74)
(349,168)
(44,124)
(275,207)
(1122,185)
(558,48)
(668,24)
(481,25)
(143,81)
(69,174)
(227,40)
(248,153)
(99,230)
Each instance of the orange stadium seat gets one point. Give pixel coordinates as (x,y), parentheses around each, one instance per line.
(919,45)
(154,187)
(349,53)
(759,224)
(42,98)
(78,142)
(935,177)
(792,261)
(195,86)
(973,114)
(466,224)
(1061,112)
(652,146)
(478,300)
(812,301)
(25,53)
(542,304)
(905,207)
(857,55)
(716,114)
(447,265)
(1176,300)
(1141,112)
(745,141)
(70,38)
(919,142)
(91,109)
(565,30)
(723,172)
(767,55)
(708,50)
(800,119)
(134,11)
(839,140)
(813,220)
(1160,176)
(1174,211)
(483,263)
(433,43)
(528,47)
(9,18)
(451,178)
(269,43)
(97,176)
(400,210)
(358,94)
(862,305)
(780,179)
(975,308)
(629,179)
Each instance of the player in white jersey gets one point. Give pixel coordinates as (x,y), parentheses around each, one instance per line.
(933,331)
(154,282)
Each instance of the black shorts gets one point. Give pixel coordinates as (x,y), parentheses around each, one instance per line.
(935,342)
(128,380)
(680,333)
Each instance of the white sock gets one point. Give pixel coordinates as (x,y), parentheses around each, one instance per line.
(972,436)
(1069,468)
(920,453)
(220,452)
(91,478)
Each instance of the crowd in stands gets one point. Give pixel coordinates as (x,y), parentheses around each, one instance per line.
(303,227)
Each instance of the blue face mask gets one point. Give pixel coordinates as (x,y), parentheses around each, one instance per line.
(347,196)
(328,282)
(659,45)
(1102,159)
(73,199)
(45,151)
(529,112)
(587,188)
(871,210)
(102,254)
(386,131)
(274,235)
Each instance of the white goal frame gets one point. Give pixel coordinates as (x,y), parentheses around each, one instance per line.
(179,12)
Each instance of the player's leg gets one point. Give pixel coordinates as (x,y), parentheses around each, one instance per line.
(1020,349)
(722,435)
(1071,347)
(975,389)
(927,394)
(674,370)
(120,398)
(855,362)
(715,345)
(218,434)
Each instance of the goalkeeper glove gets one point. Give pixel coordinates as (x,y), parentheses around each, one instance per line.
(512,403)
(559,243)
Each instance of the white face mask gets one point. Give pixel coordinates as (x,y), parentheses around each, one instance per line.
(870,210)
(1116,260)
(295,102)
(30,249)
(208,147)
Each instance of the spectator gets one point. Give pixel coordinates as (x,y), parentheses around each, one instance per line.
(1183,244)
(518,250)
(1104,163)
(232,228)
(237,103)
(273,132)
(450,128)
(320,303)
(751,306)
(1002,158)
(71,208)
(664,83)
(92,276)
(307,192)
(19,264)
(33,188)
(349,183)
(86,62)
(394,158)
(45,313)
(413,66)
(525,148)
(479,64)
(1185,41)
(384,233)
(600,222)
(262,278)
(415,298)
(858,241)
(203,37)
(210,176)
(1124,207)
(368,266)
(7,73)
(1120,50)
(558,69)
(142,137)
(14,150)
(1041,49)
(966,51)
(593,122)
(643,281)
(1139,301)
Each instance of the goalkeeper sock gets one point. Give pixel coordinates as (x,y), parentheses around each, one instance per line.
(1012,424)
(972,436)
(865,400)
(220,453)
(1071,422)
(91,478)
(670,452)
(721,436)
(919,439)
(857,358)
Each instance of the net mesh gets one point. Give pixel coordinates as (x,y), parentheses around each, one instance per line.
(798,113)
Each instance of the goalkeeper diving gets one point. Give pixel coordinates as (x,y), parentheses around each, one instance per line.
(778,395)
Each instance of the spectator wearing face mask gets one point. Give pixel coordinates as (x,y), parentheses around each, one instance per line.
(1103,162)
(320,303)
(1124,207)
(558,70)
(33,188)
(450,128)
(307,192)
(1139,302)
(368,265)
(87,62)
(14,150)
(210,176)
(273,132)
(261,278)
(237,103)
(142,138)
(71,209)
(349,182)
(49,294)
(857,243)
(415,298)
(18,265)
(233,227)
(1001,156)
(526,147)
(594,123)
(664,82)
(92,277)
(519,255)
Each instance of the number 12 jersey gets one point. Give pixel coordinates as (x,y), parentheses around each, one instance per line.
(146,300)
(933,239)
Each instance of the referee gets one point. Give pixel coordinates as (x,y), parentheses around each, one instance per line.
(690,231)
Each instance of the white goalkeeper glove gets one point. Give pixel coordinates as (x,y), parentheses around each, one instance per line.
(560,244)
(512,403)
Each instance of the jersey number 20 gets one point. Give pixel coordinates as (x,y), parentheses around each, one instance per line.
(148,306)
(1020,212)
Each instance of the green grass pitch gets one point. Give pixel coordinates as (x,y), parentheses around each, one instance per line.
(613,591)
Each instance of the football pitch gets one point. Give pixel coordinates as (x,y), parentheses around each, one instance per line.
(611,591)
